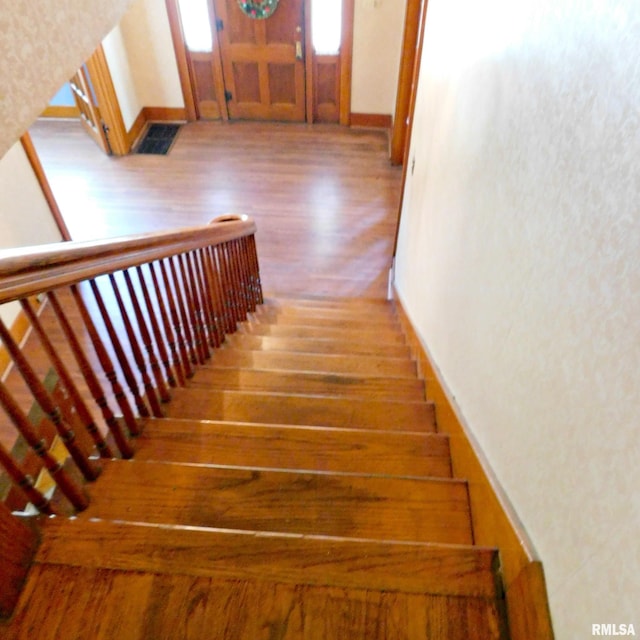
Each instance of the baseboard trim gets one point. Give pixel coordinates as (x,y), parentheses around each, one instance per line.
(154,114)
(495,523)
(374,120)
(61,111)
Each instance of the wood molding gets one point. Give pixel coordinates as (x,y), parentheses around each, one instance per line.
(61,111)
(376,120)
(181,59)
(408,62)
(309,56)
(34,161)
(108,100)
(137,128)
(495,523)
(410,114)
(346,60)
(18,544)
(154,114)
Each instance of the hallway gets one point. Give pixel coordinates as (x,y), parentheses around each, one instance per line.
(325,198)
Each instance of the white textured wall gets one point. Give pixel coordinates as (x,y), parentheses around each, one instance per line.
(36,58)
(25,218)
(377,46)
(519,262)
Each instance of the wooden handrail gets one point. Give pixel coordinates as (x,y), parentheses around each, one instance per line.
(204,281)
(28,271)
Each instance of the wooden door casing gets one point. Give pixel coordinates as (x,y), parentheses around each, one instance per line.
(263,61)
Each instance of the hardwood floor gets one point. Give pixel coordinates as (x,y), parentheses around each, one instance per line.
(325,198)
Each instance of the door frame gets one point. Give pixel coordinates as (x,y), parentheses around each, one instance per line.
(346,56)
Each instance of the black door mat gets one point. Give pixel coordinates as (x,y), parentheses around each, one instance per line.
(158,139)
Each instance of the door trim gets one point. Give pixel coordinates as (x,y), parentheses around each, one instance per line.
(408,61)
(346,58)
(108,102)
(410,115)
(38,170)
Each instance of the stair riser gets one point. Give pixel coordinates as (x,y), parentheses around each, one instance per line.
(302,345)
(322,363)
(327,450)
(420,569)
(309,384)
(313,504)
(322,333)
(301,410)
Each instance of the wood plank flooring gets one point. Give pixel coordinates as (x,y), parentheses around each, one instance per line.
(307,497)
(325,198)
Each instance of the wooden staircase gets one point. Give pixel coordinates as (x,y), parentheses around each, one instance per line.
(297,488)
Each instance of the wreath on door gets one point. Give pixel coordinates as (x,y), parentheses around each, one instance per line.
(258,9)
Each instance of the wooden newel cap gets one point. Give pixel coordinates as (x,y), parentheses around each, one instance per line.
(230,217)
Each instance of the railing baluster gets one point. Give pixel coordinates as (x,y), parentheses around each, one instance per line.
(218,289)
(200,309)
(184,341)
(228,277)
(138,357)
(95,388)
(213,295)
(156,371)
(242,278)
(106,364)
(223,287)
(255,268)
(123,361)
(190,339)
(193,307)
(89,469)
(207,305)
(25,484)
(157,333)
(65,376)
(69,488)
(172,339)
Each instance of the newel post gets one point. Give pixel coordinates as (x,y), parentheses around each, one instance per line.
(18,544)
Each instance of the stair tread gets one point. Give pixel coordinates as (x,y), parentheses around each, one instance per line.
(309,383)
(350,506)
(316,362)
(311,560)
(287,447)
(314,345)
(307,410)
(103,604)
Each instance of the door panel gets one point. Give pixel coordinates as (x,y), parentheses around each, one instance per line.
(263,62)
(86,101)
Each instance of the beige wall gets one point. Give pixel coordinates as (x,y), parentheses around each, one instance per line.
(25,218)
(519,262)
(377,45)
(35,56)
(147,37)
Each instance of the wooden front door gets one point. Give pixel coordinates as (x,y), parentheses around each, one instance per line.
(86,101)
(263,61)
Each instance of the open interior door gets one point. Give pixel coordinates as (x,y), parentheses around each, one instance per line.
(89,112)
